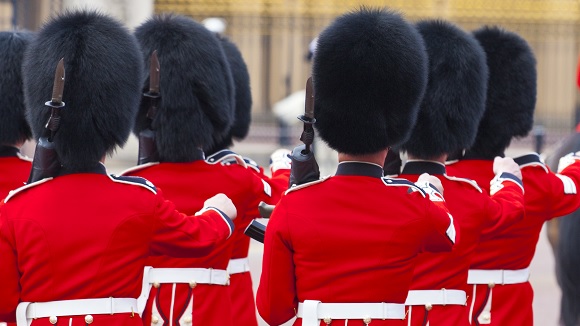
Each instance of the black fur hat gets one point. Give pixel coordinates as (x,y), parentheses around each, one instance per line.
(455,98)
(13,126)
(196,107)
(511,92)
(369,74)
(103,73)
(243,96)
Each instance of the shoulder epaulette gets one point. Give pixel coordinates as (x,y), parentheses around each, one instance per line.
(252,164)
(135,181)
(226,156)
(465,180)
(308,184)
(16,191)
(138,168)
(532,159)
(402,183)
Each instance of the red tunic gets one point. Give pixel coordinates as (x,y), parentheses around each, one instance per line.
(88,235)
(14,170)
(241,288)
(188,185)
(473,210)
(547,195)
(348,238)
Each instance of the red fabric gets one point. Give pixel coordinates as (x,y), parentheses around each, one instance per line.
(84,236)
(514,247)
(14,173)
(473,210)
(241,289)
(188,185)
(511,303)
(332,242)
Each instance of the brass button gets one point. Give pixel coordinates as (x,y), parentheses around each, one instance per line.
(367,320)
(327,320)
(187,319)
(52,319)
(156,284)
(154,319)
(491,285)
(192,284)
(428,307)
(89,319)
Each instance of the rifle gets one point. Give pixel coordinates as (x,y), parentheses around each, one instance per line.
(46,163)
(257,230)
(304,166)
(147,146)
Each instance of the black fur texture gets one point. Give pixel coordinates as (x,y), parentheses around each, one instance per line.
(243,98)
(454,101)
(196,108)
(14,128)
(369,75)
(103,73)
(511,92)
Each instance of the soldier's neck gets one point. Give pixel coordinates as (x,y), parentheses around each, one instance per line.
(376,158)
(441,158)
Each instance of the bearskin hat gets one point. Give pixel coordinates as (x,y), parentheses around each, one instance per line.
(455,97)
(243,96)
(511,92)
(103,73)
(196,107)
(369,74)
(13,126)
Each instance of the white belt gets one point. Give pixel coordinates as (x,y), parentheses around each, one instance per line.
(435,297)
(500,276)
(239,265)
(27,311)
(191,276)
(312,311)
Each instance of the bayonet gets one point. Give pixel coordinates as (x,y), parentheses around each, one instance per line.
(147,146)
(307,118)
(56,102)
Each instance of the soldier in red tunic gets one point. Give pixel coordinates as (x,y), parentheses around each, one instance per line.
(195,111)
(241,288)
(449,114)
(73,245)
(341,250)
(14,130)
(499,272)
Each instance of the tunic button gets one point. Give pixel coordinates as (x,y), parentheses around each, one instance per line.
(187,319)
(89,319)
(327,320)
(367,320)
(154,319)
(156,284)
(52,319)
(486,316)
(491,285)
(192,284)
(428,307)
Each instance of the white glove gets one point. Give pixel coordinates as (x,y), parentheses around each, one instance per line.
(221,202)
(280,159)
(508,165)
(427,178)
(568,160)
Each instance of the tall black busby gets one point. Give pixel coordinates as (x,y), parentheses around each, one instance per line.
(243,96)
(511,93)
(369,74)
(102,84)
(455,97)
(196,107)
(13,126)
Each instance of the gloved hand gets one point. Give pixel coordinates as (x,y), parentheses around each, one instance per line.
(506,164)
(426,178)
(568,160)
(221,202)
(280,159)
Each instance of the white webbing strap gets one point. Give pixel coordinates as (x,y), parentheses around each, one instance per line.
(238,266)
(312,311)
(498,276)
(436,297)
